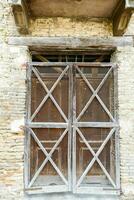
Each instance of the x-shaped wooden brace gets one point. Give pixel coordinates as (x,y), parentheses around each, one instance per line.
(95,94)
(49,93)
(95,156)
(48,157)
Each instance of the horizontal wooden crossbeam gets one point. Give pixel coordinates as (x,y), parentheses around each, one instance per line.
(80,64)
(47,125)
(95,124)
(99,43)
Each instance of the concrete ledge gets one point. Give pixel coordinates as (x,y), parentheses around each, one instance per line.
(65,196)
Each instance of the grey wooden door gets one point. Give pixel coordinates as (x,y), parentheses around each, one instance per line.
(94,128)
(71,127)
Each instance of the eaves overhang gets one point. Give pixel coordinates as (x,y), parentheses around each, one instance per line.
(118,11)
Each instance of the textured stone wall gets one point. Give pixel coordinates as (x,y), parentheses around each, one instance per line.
(12,112)
(70,27)
(13,98)
(12,108)
(125,59)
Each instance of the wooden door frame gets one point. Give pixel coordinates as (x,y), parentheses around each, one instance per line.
(102,191)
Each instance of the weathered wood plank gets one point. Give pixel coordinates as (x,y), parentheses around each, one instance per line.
(27,136)
(71,42)
(47,125)
(70,121)
(96,124)
(117,139)
(100,190)
(105,50)
(74,178)
(80,64)
(46,189)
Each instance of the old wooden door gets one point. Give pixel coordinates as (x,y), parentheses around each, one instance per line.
(71,127)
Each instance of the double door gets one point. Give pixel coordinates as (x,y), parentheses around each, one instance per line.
(71,127)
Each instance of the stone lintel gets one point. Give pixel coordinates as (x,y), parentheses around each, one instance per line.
(93,45)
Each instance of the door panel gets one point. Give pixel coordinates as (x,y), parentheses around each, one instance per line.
(49,165)
(49,112)
(93,161)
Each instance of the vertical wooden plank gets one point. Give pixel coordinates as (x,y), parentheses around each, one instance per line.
(74,133)
(70,121)
(117,148)
(27,135)
(112,140)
